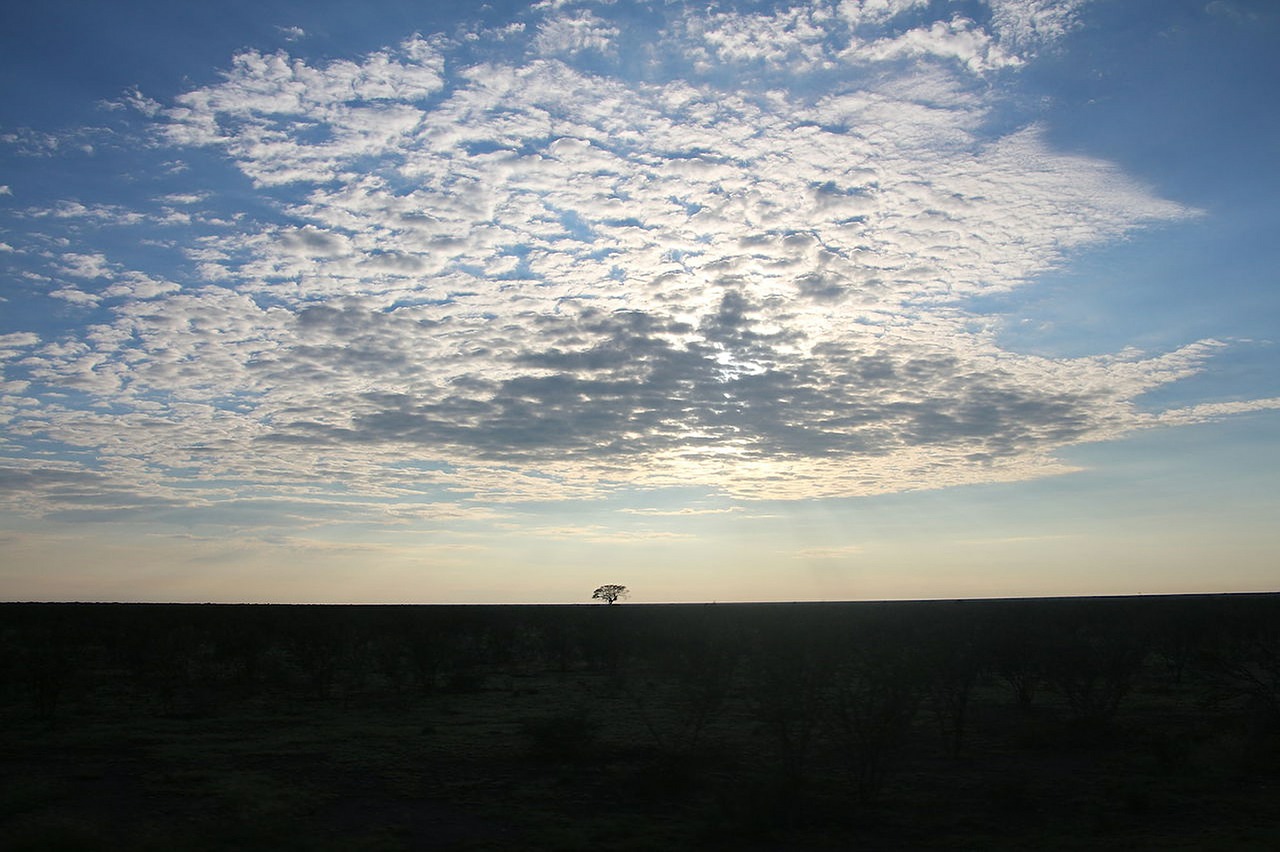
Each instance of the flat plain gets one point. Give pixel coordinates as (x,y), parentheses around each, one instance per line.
(1084,723)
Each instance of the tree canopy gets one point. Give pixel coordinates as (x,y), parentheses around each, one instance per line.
(609,593)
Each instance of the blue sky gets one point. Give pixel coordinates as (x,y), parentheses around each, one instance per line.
(398,302)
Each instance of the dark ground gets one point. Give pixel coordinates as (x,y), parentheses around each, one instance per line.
(1105,723)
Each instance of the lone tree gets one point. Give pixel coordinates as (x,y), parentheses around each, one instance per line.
(609,593)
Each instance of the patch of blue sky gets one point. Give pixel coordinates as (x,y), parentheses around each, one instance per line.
(1243,371)
(21,310)
(479,147)
(575,226)
(1178,94)
(627,222)
(1155,291)
(1223,468)
(605,253)
(166,48)
(691,208)
(1152,99)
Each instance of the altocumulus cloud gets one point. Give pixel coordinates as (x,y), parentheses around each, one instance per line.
(550,261)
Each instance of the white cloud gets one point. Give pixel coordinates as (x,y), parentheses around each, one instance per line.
(958,39)
(792,37)
(550,282)
(140,286)
(75,296)
(149,107)
(603,535)
(839,553)
(185,198)
(21,338)
(1206,412)
(268,105)
(573,34)
(876,12)
(13,345)
(103,214)
(684,512)
(93,265)
(1026,25)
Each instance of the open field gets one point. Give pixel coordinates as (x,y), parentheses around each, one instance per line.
(1050,724)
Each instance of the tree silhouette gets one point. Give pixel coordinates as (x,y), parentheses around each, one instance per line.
(609,593)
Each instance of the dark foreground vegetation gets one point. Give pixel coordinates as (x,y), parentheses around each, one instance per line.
(1049,724)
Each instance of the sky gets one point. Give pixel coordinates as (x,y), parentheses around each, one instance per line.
(448,303)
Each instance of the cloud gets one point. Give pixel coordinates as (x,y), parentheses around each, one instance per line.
(29,142)
(793,37)
(143,104)
(687,511)
(544,278)
(1206,412)
(270,107)
(102,214)
(70,493)
(75,296)
(93,265)
(185,198)
(603,535)
(574,34)
(18,339)
(844,552)
(958,39)
(1011,540)
(1027,25)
